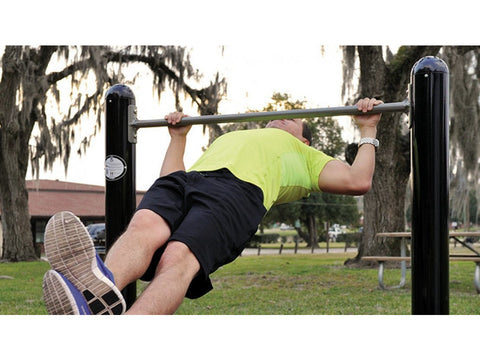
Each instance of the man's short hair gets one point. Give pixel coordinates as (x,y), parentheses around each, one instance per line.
(307,133)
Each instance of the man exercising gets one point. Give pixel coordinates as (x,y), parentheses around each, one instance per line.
(189,223)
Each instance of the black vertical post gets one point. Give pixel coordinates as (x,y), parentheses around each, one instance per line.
(120,197)
(430,169)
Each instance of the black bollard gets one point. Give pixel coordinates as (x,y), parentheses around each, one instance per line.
(120,199)
(429,101)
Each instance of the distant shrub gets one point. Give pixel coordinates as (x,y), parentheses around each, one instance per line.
(350,238)
(271,238)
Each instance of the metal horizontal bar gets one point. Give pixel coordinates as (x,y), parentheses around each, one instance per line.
(276,115)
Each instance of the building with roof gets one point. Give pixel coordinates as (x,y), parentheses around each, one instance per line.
(47,197)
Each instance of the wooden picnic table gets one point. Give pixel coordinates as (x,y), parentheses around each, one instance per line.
(403,258)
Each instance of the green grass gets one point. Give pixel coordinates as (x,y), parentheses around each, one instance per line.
(299,285)
(22,295)
(272,284)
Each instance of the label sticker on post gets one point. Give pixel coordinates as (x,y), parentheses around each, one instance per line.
(115,167)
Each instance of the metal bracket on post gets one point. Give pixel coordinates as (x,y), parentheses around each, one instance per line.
(132,118)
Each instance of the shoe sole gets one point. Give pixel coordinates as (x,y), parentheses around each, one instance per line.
(70,251)
(57,296)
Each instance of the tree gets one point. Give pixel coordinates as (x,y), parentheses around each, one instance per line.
(386,76)
(386,79)
(320,210)
(317,208)
(464,64)
(27,86)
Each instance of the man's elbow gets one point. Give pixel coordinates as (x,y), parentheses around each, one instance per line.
(360,187)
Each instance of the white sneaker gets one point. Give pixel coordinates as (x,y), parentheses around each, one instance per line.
(80,273)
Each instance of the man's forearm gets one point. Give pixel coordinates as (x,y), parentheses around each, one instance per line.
(364,165)
(173,160)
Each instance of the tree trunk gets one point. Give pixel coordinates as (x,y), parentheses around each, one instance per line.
(384,207)
(24,88)
(303,235)
(17,232)
(312,226)
(384,204)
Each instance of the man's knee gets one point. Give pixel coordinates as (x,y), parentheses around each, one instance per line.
(149,228)
(148,221)
(178,256)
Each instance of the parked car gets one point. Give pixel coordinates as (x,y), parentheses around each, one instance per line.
(97,233)
(286,227)
(336,230)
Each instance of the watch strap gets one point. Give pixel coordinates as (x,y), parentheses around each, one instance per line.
(369,140)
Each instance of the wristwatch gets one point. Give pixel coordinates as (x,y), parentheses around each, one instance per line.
(369,140)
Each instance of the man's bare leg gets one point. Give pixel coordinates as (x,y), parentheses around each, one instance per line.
(176,269)
(130,256)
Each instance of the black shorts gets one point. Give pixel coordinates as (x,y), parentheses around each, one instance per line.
(214,213)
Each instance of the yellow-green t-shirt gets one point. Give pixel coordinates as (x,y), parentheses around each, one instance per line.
(277,162)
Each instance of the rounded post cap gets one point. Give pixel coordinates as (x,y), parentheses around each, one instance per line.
(429,64)
(120,90)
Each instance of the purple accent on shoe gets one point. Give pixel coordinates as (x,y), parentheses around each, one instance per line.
(103,268)
(77,296)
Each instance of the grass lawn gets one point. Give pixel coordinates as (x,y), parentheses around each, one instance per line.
(318,284)
(22,295)
(271,284)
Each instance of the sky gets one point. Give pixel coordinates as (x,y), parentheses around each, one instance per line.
(253,71)
(270,46)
